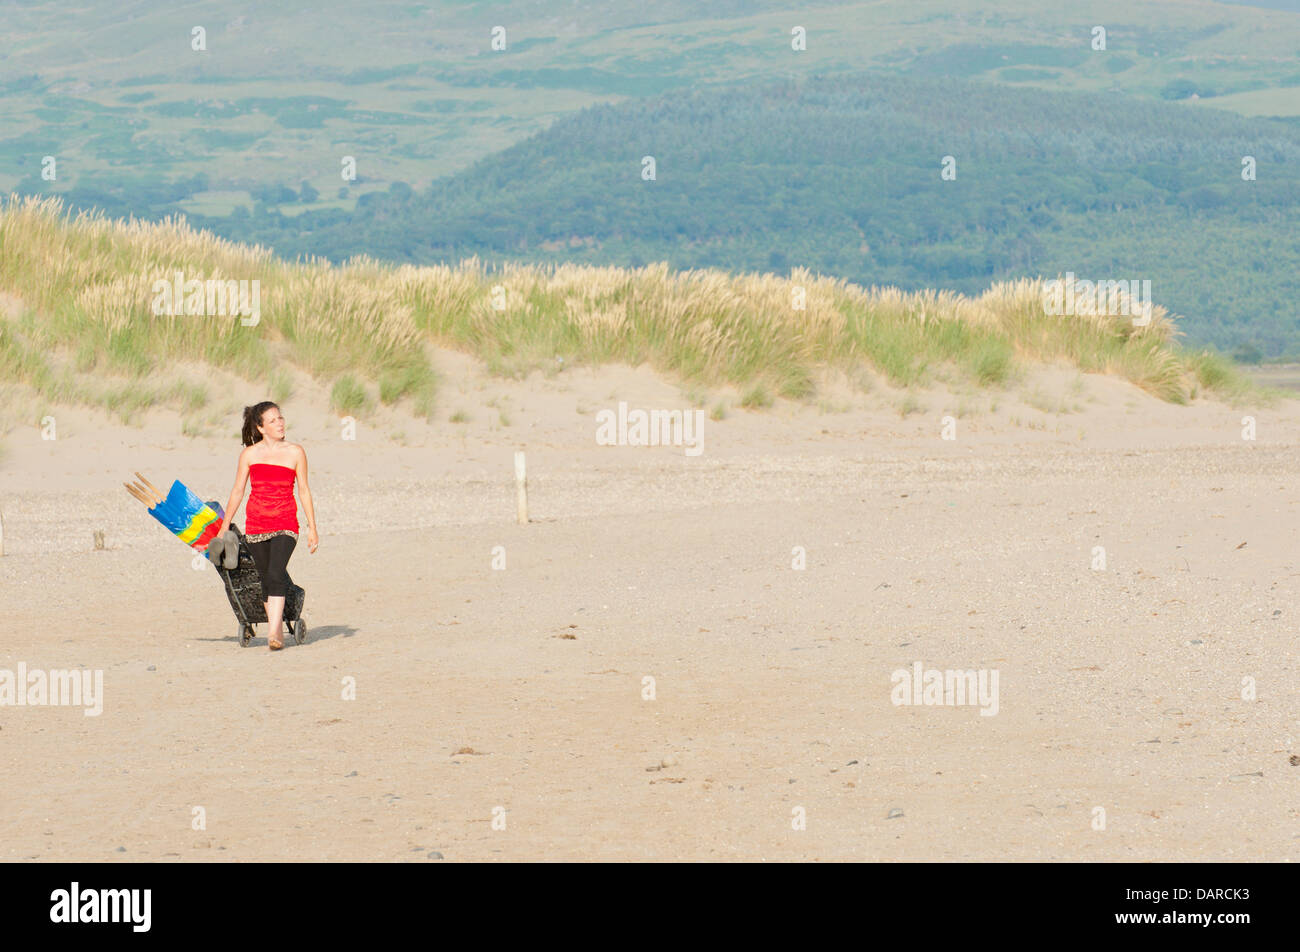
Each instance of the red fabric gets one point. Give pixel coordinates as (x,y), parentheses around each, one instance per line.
(207,535)
(271,505)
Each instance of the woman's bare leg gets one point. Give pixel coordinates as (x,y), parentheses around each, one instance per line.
(275,618)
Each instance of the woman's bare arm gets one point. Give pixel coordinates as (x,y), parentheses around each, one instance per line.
(236,494)
(304,494)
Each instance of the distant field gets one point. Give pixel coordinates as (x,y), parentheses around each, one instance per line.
(216,203)
(1282,376)
(1261,102)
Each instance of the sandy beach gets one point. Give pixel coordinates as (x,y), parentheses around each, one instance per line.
(649,676)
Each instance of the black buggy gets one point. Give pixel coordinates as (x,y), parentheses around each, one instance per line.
(244,589)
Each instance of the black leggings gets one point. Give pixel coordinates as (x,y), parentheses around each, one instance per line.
(272,558)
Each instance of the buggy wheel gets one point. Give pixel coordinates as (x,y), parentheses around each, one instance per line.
(245,635)
(300,631)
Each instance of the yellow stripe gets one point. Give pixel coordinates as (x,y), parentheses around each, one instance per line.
(202,519)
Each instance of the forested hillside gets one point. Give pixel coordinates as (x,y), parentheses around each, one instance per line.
(845,175)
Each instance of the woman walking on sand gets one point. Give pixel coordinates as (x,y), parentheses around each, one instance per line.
(271,519)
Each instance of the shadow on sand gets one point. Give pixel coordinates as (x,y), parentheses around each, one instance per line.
(314,633)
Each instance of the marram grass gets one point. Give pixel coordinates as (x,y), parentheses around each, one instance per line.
(85,283)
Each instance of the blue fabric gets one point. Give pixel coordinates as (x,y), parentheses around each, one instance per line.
(176,511)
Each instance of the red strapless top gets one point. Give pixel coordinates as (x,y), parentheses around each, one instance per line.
(271,505)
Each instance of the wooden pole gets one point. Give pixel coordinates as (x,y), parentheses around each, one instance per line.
(140,494)
(521,489)
(152,488)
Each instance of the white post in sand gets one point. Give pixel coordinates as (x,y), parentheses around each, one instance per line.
(521,489)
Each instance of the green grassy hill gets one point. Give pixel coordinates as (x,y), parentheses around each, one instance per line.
(843,175)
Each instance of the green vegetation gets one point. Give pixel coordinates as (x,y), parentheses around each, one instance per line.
(348,395)
(87,331)
(374,73)
(1046,183)
(281,386)
(86,286)
(249,135)
(756,397)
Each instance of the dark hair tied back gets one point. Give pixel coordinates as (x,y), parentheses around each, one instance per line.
(253,418)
